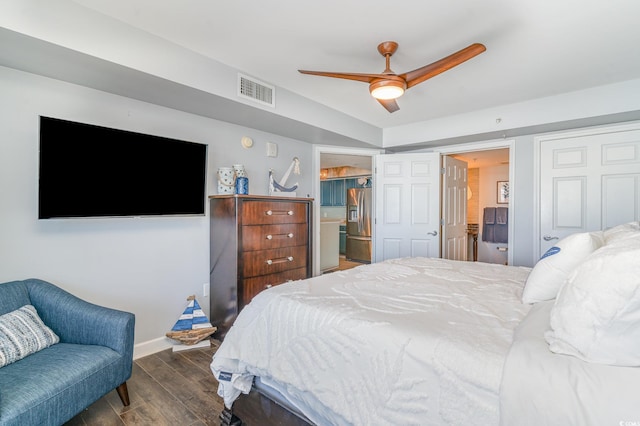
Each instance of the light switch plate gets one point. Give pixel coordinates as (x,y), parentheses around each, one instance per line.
(272,149)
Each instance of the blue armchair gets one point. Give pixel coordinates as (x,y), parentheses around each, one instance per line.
(93,357)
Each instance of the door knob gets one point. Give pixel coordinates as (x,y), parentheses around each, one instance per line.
(434,233)
(549,238)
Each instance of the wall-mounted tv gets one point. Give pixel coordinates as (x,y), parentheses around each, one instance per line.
(93,171)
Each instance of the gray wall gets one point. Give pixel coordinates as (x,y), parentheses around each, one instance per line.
(144,265)
(522,245)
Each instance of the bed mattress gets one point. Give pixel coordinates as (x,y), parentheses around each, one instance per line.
(405,341)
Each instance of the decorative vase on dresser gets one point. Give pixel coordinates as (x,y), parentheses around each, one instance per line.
(256,242)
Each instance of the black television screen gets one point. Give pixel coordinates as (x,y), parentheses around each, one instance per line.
(89,171)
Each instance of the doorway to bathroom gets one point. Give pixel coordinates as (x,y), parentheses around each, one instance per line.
(489,199)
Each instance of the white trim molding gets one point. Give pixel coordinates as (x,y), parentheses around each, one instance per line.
(151,347)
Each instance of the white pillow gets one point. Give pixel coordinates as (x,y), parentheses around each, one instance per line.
(23,333)
(596,316)
(554,266)
(621,231)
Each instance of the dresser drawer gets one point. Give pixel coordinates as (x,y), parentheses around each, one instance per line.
(272,212)
(264,262)
(253,286)
(260,237)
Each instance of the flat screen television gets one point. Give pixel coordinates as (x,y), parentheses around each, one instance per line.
(92,171)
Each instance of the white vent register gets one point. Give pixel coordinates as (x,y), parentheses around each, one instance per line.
(257,91)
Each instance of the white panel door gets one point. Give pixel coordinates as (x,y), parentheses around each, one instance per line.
(588,182)
(454,211)
(407,205)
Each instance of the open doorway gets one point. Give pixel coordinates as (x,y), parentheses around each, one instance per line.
(338,170)
(487,185)
(488,202)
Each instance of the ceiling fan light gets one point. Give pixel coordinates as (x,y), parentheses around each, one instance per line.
(387,89)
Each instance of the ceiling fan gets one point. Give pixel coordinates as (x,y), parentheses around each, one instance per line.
(388,86)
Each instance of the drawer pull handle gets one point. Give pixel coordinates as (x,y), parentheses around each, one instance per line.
(289,235)
(281,260)
(278,212)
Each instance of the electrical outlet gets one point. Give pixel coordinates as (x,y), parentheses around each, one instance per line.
(205,290)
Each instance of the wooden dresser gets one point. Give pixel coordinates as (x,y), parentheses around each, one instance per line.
(256,242)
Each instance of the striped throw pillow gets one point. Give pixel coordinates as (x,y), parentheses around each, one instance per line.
(23,333)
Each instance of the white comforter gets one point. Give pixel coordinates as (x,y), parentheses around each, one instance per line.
(406,341)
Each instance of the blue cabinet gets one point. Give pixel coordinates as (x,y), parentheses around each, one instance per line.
(339,193)
(325,193)
(332,193)
(351,183)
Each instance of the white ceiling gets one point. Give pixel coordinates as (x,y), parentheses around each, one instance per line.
(534,48)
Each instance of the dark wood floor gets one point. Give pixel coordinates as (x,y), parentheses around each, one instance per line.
(347,264)
(343,265)
(166,388)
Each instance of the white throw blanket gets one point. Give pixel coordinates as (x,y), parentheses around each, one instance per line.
(406,341)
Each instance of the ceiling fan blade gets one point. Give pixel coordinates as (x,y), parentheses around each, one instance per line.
(424,73)
(389,104)
(367,78)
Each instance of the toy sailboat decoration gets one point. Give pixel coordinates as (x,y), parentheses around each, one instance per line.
(193,325)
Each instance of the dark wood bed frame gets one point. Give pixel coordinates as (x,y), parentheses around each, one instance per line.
(258,409)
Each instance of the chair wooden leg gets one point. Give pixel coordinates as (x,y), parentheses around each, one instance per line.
(123,393)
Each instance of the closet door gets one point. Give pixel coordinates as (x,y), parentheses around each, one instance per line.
(588,181)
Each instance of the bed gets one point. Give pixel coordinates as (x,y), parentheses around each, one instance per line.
(423,341)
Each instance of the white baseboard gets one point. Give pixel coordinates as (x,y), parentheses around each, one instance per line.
(151,347)
(206,343)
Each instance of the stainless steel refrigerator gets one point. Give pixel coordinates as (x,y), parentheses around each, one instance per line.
(359,224)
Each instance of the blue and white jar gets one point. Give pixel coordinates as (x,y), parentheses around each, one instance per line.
(239,170)
(242,185)
(226,180)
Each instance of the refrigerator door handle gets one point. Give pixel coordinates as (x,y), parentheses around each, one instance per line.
(360,211)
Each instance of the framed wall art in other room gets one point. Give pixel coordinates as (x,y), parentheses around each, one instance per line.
(503,192)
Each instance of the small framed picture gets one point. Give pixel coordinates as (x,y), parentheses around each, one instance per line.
(503,192)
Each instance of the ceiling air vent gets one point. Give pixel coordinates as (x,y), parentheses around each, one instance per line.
(256,90)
